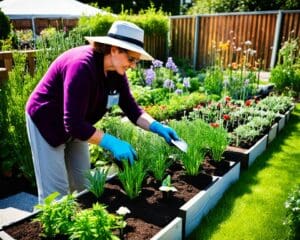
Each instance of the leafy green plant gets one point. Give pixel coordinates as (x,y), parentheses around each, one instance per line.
(55,216)
(97,178)
(4,26)
(285,74)
(217,142)
(243,135)
(167,187)
(132,178)
(193,132)
(292,218)
(95,223)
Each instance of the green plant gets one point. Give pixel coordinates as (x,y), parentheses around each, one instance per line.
(292,219)
(95,223)
(243,134)
(194,133)
(4,26)
(285,75)
(97,178)
(166,187)
(217,142)
(55,216)
(132,178)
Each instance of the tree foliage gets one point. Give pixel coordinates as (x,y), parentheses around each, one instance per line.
(215,6)
(4,26)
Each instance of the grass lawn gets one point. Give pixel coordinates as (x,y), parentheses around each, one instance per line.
(253,208)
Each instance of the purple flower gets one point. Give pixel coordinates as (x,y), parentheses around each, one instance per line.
(178,91)
(169,84)
(149,76)
(186,82)
(156,63)
(171,65)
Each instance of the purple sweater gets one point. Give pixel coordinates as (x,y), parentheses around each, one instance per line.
(72,96)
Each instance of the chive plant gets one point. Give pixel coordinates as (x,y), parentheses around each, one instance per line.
(192,133)
(132,178)
(96,178)
(151,149)
(217,142)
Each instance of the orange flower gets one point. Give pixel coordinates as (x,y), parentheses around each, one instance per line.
(227,98)
(214,125)
(248,103)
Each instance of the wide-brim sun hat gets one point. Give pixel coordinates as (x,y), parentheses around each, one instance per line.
(125,35)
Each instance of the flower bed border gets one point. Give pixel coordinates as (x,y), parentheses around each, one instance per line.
(247,156)
(196,208)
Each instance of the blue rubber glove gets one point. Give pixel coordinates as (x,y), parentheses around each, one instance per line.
(120,149)
(164,131)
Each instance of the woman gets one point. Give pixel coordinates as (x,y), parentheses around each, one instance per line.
(76,91)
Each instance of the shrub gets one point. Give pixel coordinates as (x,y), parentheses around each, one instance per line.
(4,26)
(292,218)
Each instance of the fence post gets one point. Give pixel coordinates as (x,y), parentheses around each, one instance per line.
(276,39)
(196,38)
(3,75)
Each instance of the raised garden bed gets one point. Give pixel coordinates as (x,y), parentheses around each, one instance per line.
(247,156)
(152,215)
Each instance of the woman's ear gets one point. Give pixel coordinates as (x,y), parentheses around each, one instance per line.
(114,50)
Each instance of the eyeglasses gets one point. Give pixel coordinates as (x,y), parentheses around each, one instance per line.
(132,59)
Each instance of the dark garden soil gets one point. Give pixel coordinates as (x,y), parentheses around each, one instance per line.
(150,212)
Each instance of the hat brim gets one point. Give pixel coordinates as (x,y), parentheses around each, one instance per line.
(122,44)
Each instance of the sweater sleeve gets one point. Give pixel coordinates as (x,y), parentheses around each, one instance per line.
(127,102)
(77,84)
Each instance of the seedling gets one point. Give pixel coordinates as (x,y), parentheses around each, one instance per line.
(167,187)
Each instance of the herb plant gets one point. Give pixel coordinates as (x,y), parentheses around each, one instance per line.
(132,178)
(217,142)
(95,223)
(97,178)
(57,217)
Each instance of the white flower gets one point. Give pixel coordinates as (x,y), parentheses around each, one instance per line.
(167,189)
(123,211)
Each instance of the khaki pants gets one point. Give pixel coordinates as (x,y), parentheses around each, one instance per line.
(57,169)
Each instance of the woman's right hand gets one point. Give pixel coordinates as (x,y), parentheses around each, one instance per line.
(120,149)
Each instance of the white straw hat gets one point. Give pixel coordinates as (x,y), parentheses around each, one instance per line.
(124,35)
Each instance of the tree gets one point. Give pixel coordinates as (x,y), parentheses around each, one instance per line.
(215,6)
(4,26)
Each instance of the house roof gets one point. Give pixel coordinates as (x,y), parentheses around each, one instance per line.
(29,9)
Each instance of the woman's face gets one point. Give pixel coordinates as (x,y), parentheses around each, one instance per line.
(123,59)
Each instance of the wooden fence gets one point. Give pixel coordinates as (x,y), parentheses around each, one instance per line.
(201,38)
(198,38)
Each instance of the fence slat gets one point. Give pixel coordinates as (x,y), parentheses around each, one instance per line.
(257,27)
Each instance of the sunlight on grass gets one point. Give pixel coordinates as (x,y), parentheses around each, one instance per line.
(253,208)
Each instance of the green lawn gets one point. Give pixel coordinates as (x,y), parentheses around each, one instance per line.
(253,208)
